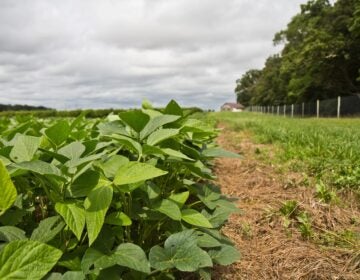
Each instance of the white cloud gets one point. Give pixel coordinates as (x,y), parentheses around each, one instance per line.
(113,53)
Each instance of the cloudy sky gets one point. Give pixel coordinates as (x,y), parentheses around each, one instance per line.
(114,53)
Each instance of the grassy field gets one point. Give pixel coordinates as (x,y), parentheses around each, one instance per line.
(327,149)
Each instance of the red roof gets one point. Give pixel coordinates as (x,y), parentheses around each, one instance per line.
(233,105)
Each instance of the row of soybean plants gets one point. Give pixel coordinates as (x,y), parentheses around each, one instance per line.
(129,196)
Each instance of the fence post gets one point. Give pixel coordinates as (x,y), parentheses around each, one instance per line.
(278,110)
(284,110)
(302,109)
(317,108)
(338,106)
(292,110)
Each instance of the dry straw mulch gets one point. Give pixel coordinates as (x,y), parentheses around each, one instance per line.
(269,250)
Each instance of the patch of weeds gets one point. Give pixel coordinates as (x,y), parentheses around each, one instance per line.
(246,230)
(324,194)
(289,208)
(344,239)
(305,225)
(305,180)
(293,215)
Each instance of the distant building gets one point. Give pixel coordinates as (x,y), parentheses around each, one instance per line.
(233,107)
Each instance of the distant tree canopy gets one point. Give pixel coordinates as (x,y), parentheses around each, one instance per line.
(7,107)
(320,58)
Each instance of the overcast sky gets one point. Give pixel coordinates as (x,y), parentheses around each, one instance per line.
(114,53)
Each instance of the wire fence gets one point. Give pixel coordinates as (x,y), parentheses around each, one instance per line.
(337,107)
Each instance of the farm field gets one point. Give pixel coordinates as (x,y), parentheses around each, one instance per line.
(298,187)
(86,192)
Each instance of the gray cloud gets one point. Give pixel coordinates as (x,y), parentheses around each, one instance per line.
(97,54)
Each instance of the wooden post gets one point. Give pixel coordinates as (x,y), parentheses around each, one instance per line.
(338,106)
(278,110)
(303,109)
(284,110)
(292,110)
(317,108)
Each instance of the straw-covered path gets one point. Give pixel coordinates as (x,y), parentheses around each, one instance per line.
(269,249)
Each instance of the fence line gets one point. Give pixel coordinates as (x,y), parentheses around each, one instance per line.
(335,107)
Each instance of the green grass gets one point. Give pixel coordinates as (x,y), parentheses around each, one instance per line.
(328,149)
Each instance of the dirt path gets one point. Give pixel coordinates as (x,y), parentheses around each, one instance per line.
(269,249)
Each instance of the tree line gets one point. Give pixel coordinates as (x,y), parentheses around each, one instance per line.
(320,58)
(17,107)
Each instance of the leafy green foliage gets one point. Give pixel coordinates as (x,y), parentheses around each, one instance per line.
(25,259)
(294,215)
(8,191)
(180,251)
(124,197)
(324,193)
(319,59)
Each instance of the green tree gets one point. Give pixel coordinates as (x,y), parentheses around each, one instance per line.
(245,87)
(320,58)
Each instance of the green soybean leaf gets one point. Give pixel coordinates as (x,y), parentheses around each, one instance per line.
(130,143)
(205,240)
(218,152)
(90,257)
(225,255)
(180,251)
(24,148)
(219,216)
(169,208)
(156,123)
(7,190)
(73,151)
(175,153)
(131,256)
(113,164)
(73,275)
(84,184)
(96,205)
(161,135)
(5,160)
(59,132)
(135,172)
(135,119)
(40,167)
(161,259)
(56,156)
(53,276)
(172,108)
(152,150)
(208,194)
(151,113)
(73,215)
(47,229)
(113,127)
(10,233)
(195,218)
(179,198)
(27,259)
(118,219)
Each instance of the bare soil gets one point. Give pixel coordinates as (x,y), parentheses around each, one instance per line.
(269,249)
